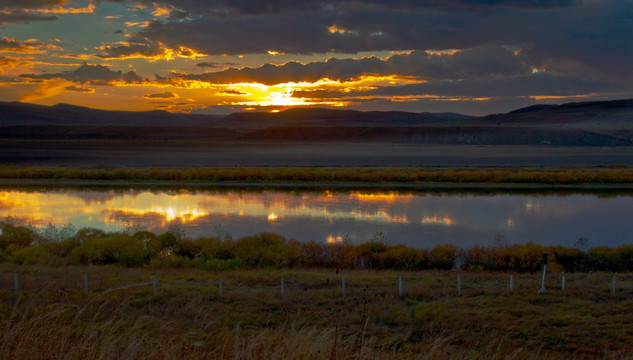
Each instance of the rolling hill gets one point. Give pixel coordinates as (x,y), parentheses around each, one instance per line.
(604,123)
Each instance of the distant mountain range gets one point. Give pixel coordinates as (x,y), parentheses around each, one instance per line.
(602,123)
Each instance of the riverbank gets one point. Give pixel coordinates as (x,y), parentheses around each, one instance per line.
(133,247)
(573,177)
(110,311)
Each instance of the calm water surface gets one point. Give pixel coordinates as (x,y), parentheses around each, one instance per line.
(414,218)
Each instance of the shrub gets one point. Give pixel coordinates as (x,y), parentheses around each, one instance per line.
(14,237)
(571,259)
(525,258)
(61,249)
(30,255)
(87,233)
(151,245)
(120,248)
(267,249)
(401,257)
(443,256)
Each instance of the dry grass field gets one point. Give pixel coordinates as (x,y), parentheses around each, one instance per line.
(121,317)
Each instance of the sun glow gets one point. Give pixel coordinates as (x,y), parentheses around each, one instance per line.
(331,239)
(298,93)
(380,197)
(437,220)
(168,213)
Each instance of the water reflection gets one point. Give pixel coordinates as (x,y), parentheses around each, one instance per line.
(418,219)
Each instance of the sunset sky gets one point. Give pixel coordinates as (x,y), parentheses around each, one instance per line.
(221,56)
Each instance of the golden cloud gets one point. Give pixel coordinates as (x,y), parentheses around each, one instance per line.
(62,10)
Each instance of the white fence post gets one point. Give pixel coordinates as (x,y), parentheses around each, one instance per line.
(400,286)
(562,283)
(511,282)
(459,285)
(85,284)
(613,284)
(154,284)
(15,281)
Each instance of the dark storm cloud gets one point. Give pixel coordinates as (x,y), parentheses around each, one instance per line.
(89,74)
(21,17)
(134,48)
(258,7)
(477,62)
(582,36)
(16,12)
(216,65)
(29,4)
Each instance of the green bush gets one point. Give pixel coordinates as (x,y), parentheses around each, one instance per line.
(267,250)
(571,259)
(170,261)
(401,257)
(443,256)
(87,233)
(525,258)
(30,255)
(120,248)
(14,237)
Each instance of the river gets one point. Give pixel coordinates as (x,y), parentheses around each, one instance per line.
(419,218)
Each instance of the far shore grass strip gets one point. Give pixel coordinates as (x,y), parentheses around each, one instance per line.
(613,175)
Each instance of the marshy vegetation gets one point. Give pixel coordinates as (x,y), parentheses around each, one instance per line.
(116,314)
(329,175)
(65,245)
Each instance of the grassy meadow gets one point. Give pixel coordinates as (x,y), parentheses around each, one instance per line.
(187,317)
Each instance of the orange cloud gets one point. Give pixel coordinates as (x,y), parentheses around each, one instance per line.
(162,96)
(62,10)
(151,51)
(8,62)
(79,89)
(45,90)
(30,46)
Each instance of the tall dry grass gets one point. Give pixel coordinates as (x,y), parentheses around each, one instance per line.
(121,317)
